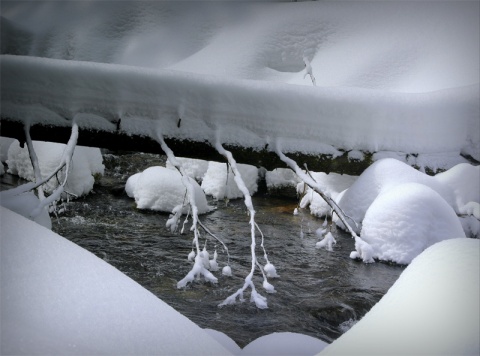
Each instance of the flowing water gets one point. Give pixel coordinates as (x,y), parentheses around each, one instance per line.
(319,293)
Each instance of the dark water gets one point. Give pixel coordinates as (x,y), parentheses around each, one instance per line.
(319,293)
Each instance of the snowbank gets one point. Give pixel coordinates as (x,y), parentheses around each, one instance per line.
(161,189)
(220,184)
(58,298)
(432,309)
(5,143)
(381,176)
(87,162)
(24,204)
(334,184)
(405,220)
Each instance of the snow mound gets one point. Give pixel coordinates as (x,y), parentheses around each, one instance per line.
(284,343)
(333,184)
(5,143)
(86,163)
(58,298)
(432,309)
(464,180)
(161,189)
(194,168)
(405,220)
(381,176)
(220,184)
(24,204)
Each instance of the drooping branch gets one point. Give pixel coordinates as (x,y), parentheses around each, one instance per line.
(198,267)
(365,250)
(260,301)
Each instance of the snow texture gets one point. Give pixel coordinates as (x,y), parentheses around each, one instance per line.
(405,220)
(24,204)
(281,177)
(380,177)
(5,143)
(284,343)
(53,306)
(432,309)
(194,168)
(161,189)
(86,163)
(218,185)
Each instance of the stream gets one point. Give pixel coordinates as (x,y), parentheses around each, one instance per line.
(319,293)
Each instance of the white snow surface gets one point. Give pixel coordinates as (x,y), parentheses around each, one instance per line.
(87,162)
(432,309)
(405,220)
(380,177)
(281,177)
(220,184)
(24,204)
(194,168)
(412,87)
(284,343)
(5,143)
(161,189)
(57,298)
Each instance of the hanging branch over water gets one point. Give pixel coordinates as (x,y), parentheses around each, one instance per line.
(365,250)
(199,266)
(260,301)
(64,163)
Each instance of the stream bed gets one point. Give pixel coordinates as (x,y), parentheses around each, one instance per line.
(319,293)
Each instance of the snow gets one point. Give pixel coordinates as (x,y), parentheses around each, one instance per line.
(281,177)
(381,176)
(284,343)
(5,143)
(464,180)
(154,63)
(405,220)
(24,204)
(53,306)
(432,309)
(219,184)
(334,184)
(87,162)
(194,168)
(161,189)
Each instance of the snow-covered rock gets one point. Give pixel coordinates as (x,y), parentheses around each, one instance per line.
(24,204)
(5,143)
(161,189)
(432,309)
(380,177)
(333,184)
(86,163)
(220,184)
(194,168)
(58,298)
(407,219)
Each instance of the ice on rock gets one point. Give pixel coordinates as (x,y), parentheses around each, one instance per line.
(86,163)
(268,287)
(381,176)
(161,189)
(217,184)
(407,219)
(213,262)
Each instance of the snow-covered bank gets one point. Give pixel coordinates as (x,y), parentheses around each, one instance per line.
(57,298)
(432,309)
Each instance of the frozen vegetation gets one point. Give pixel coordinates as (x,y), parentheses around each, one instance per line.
(399,80)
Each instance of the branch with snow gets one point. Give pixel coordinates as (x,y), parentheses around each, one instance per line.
(259,300)
(309,70)
(199,267)
(365,249)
